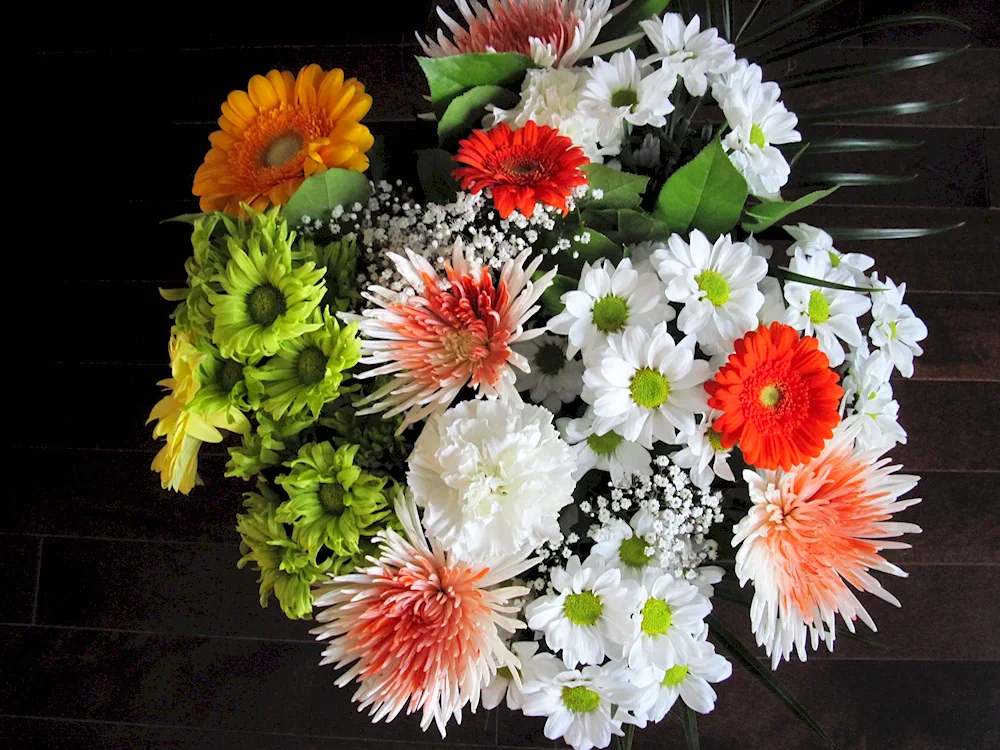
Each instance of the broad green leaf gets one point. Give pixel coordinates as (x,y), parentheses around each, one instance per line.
(787,275)
(856,145)
(621,189)
(434,168)
(638,226)
(689,719)
(892,110)
(854,178)
(858,70)
(450,76)
(887,233)
(599,246)
(321,193)
(465,112)
(763,215)
(626,21)
(552,297)
(707,193)
(183,218)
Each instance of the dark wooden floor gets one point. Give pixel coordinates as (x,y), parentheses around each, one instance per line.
(125,621)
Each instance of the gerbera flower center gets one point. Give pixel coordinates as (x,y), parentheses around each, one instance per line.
(229,375)
(610,314)
(624,98)
(331,497)
(649,388)
(580,699)
(550,359)
(311,365)
(656,617)
(675,675)
(757,136)
(583,609)
(714,439)
(265,304)
(715,287)
(632,552)
(819,308)
(770,396)
(606,444)
(281,150)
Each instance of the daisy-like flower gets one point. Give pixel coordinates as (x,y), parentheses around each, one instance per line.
(703,453)
(812,531)
(670,616)
(421,630)
(535,164)
(831,315)
(778,397)
(773,309)
(503,684)
(447,335)
(689,52)
(645,387)
(814,241)
(867,386)
(688,681)
(617,92)
(608,299)
(608,452)
(717,285)
(491,477)
(279,131)
(553,380)
(623,547)
(895,329)
(589,616)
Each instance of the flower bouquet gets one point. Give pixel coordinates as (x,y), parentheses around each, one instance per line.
(497,429)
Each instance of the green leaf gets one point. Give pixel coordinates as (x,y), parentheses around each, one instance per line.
(466,110)
(707,193)
(434,168)
(638,226)
(552,297)
(854,178)
(748,660)
(857,145)
(184,218)
(321,193)
(901,233)
(621,189)
(689,720)
(600,246)
(626,21)
(806,11)
(891,110)
(766,214)
(451,76)
(787,275)
(857,70)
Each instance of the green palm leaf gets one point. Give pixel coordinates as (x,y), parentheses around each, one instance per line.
(854,178)
(892,110)
(856,145)
(749,20)
(901,233)
(858,70)
(689,719)
(807,11)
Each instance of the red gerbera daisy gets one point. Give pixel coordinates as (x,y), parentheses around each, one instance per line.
(778,396)
(533,164)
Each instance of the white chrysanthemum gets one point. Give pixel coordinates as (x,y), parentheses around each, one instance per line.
(895,329)
(773,309)
(867,387)
(617,92)
(758,122)
(688,681)
(703,454)
(502,684)
(622,546)
(553,379)
(491,477)
(814,241)
(705,578)
(671,614)
(831,315)
(589,616)
(717,285)
(645,387)
(608,299)
(608,452)
(649,153)
(691,53)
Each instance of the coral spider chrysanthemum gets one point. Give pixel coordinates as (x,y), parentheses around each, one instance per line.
(778,396)
(279,131)
(522,167)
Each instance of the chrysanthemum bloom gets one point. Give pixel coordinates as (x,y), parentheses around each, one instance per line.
(423,631)
(521,167)
(778,397)
(813,530)
(448,335)
(279,131)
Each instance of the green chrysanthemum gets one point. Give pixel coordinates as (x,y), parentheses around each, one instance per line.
(285,568)
(221,384)
(375,433)
(331,502)
(271,443)
(307,372)
(340,259)
(265,299)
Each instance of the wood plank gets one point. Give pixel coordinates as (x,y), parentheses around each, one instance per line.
(984,31)
(963,341)
(992,148)
(21,574)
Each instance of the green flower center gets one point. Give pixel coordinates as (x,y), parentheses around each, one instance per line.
(632,552)
(757,136)
(606,444)
(834,258)
(649,388)
(281,150)
(265,304)
(675,675)
(583,609)
(624,98)
(819,308)
(610,314)
(769,396)
(504,673)
(714,439)
(656,617)
(550,359)
(893,333)
(311,365)
(331,497)
(580,699)
(715,287)
(229,375)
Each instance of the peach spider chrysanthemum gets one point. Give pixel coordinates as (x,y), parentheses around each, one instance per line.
(420,630)
(813,530)
(450,334)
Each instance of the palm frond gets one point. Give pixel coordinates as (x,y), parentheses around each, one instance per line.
(857,145)
(749,19)
(892,110)
(806,11)
(858,70)
(854,178)
(888,233)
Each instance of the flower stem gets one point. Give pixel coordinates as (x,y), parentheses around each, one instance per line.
(629,735)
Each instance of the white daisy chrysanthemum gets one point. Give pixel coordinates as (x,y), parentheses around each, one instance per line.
(717,285)
(831,315)
(704,579)
(814,241)
(502,684)
(773,309)
(618,91)
(589,616)
(608,299)
(688,681)
(895,329)
(553,379)
(608,452)
(703,454)
(691,53)
(668,620)
(867,386)
(623,547)
(645,387)
(491,477)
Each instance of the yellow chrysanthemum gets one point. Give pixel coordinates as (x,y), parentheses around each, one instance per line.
(281,130)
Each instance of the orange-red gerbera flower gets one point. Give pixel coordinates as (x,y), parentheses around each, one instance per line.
(778,396)
(279,131)
(533,164)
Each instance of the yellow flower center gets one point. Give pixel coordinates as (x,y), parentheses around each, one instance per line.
(715,287)
(633,552)
(770,396)
(819,308)
(583,608)
(656,617)
(675,675)
(459,345)
(281,150)
(550,359)
(610,314)
(606,444)
(265,304)
(580,699)
(649,388)
(757,136)
(311,365)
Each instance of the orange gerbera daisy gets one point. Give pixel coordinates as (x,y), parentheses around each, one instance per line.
(778,396)
(279,131)
(533,164)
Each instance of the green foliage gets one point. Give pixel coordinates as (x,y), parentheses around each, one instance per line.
(857,70)
(689,720)
(888,233)
(552,297)
(449,77)
(321,193)
(465,111)
(760,217)
(621,189)
(434,168)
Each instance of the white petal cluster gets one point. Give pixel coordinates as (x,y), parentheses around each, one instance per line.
(895,330)
(623,91)
(868,392)
(553,379)
(691,53)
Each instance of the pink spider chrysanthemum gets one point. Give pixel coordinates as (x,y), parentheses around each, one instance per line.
(811,531)
(453,332)
(421,630)
(553,33)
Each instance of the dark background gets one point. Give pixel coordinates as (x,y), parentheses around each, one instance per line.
(125,621)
